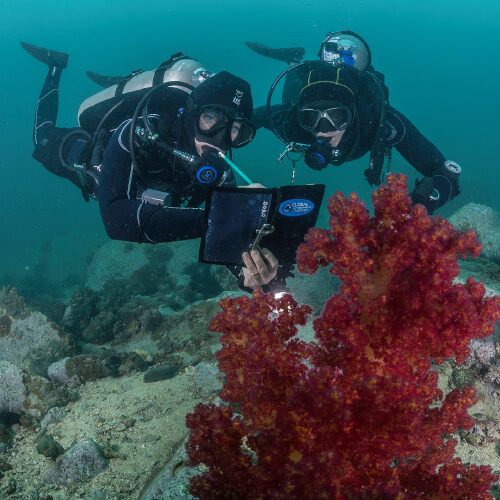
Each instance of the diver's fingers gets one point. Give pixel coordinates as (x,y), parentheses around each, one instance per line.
(251,268)
(251,274)
(266,273)
(272,261)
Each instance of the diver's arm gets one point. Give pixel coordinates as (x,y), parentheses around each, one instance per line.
(411,144)
(440,183)
(130,220)
(261,119)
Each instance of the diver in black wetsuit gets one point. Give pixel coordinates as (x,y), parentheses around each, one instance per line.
(337,109)
(151,182)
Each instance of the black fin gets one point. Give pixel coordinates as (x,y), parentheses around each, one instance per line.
(49,57)
(290,55)
(103,80)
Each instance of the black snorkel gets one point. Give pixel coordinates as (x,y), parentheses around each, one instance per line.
(295,147)
(142,110)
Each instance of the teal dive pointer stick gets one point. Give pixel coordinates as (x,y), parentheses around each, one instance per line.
(234,167)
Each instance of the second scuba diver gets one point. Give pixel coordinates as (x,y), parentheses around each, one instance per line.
(148,148)
(337,109)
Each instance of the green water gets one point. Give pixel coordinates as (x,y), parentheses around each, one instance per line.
(440,60)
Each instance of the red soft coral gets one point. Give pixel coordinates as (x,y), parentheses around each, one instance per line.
(358,413)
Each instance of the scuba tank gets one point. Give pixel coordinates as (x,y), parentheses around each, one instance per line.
(130,90)
(82,150)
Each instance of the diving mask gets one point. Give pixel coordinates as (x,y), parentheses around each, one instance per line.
(221,128)
(317,119)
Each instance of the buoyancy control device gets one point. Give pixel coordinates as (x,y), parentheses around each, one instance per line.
(100,113)
(179,68)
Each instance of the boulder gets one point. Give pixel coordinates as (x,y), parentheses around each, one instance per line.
(32,343)
(13,391)
(78,465)
(485,222)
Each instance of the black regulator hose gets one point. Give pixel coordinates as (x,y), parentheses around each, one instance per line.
(80,132)
(269,117)
(90,137)
(138,111)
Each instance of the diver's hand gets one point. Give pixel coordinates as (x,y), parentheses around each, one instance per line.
(261,267)
(422,194)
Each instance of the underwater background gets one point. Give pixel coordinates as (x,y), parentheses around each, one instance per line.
(105,345)
(440,60)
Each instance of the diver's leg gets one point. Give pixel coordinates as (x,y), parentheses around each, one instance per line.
(48,102)
(47,107)
(46,136)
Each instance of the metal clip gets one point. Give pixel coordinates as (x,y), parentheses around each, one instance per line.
(292,147)
(287,150)
(143,133)
(183,156)
(263,231)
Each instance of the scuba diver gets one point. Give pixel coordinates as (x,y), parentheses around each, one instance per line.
(336,109)
(148,148)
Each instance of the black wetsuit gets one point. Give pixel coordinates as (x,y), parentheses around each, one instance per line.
(127,217)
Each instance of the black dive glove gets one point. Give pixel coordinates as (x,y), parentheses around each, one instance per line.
(433,192)
(423,194)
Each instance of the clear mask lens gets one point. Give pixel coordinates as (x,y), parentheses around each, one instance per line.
(241,134)
(213,121)
(337,118)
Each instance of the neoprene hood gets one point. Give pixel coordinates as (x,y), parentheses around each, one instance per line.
(225,90)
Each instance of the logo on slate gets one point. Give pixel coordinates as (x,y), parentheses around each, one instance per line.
(237,97)
(294,208)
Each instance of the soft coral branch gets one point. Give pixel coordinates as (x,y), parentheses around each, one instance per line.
(357,413)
